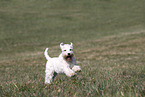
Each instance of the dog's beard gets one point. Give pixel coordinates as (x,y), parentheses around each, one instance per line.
(68,57)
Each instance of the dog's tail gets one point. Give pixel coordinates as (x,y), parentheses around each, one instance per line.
(46,54)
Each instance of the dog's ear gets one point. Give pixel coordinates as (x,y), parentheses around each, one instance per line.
(61,44)
(71,43)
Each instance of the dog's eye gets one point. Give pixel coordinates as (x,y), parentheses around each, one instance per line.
(64,50)
(70,49)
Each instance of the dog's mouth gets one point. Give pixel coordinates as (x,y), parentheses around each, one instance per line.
(69,58)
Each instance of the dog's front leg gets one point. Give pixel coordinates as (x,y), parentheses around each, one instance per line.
(69,72)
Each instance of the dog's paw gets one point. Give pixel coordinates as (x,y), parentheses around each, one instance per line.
(73,74)
(47,82)
(76,69)
(79,70)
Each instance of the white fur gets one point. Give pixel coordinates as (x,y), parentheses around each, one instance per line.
(61,64)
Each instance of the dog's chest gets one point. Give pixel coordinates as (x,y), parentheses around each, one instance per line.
(61,65)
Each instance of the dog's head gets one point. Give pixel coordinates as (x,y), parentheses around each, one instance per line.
(67,51)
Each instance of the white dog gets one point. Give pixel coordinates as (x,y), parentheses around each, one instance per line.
(61,64)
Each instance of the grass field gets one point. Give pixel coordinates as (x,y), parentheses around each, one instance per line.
(109,45)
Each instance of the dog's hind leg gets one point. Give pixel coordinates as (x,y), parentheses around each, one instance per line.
(49,76)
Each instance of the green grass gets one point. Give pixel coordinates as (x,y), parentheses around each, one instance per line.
(108,37)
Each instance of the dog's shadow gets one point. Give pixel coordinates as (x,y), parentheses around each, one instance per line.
(55,74)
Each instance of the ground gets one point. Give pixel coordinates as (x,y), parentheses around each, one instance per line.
(108,38)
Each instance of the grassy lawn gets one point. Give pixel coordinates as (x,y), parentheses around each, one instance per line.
(109,45)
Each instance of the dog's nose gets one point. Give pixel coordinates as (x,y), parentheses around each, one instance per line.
(68,53)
